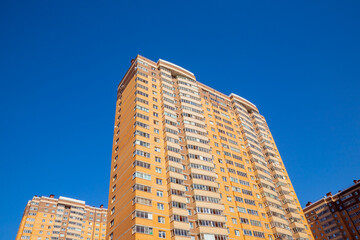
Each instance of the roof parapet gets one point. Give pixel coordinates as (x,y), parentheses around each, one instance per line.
(244,101)
(176,66)
(71,200)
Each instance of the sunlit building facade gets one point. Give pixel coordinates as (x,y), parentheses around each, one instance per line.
(49,218)
(191,163)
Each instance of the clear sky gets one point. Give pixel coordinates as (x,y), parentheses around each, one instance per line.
(61,61)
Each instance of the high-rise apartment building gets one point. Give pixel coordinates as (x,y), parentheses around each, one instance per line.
(48,218)
(336,216)
(190,162)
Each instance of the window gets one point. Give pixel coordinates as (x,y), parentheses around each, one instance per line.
(142,175)
(158,170)
(143,201)
(157,159)
(252,212)
(180,232)
(241,209)
(237,233)
(142,229)
(159,193)
(234,221)
(142,188)
(161,219)
(247,232)
(141,153)
(159,181)
(160,206)
(162,234)
(141,214)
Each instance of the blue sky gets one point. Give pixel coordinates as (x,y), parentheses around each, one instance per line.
(61,61)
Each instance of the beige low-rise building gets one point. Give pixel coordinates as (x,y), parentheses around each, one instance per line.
(49,218)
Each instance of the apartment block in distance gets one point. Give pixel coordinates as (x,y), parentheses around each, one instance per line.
(191,163)
(336,216)
(48,218)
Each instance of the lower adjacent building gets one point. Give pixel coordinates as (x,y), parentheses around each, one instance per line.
(336,216)
(48,218)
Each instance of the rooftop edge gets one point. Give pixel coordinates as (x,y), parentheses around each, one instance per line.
(161,60)
(235,95)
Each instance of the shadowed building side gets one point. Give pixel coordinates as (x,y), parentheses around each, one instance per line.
(336,216)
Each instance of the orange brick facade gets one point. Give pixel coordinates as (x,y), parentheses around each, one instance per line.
(191,163)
